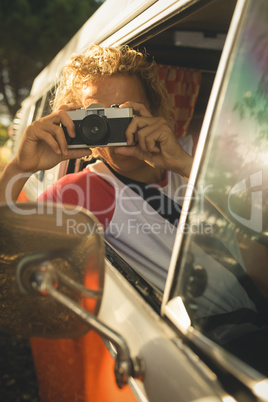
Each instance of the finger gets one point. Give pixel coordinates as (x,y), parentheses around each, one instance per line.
(139,108)
(140,122)
(135,125)
(152,144)
(58,118)
(56,132)
(78,153)
(66,121)
(152,127)
(71,106)
(163,140)
(51,141)
(156,136)
(142,134)
(48,139)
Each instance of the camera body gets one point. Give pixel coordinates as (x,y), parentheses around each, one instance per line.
(97,126)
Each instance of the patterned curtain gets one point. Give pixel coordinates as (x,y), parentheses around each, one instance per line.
(183,87)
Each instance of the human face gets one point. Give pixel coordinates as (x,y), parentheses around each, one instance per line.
(119,89)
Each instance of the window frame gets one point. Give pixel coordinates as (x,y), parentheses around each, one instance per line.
(173,308)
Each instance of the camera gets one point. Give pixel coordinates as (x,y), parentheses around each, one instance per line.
(98,126)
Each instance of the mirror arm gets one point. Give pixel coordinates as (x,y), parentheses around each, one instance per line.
(123,355)
(79,288)
(44,281)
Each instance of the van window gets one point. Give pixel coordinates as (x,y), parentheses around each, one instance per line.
(47,108)
(222,274)
(37,109)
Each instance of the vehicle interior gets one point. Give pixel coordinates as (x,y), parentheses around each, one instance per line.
(193,39)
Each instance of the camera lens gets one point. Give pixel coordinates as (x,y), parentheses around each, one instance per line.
(93,129)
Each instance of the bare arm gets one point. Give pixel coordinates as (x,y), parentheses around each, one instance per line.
(11,183)
(42,147)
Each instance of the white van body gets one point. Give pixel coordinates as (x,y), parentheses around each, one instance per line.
(182,363)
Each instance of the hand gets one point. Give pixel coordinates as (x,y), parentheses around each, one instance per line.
(44,145)
(156,144)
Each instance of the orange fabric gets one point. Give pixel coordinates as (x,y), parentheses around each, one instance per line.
(22,197)
(59,369)
(183,86)
(99,372)
(81,370)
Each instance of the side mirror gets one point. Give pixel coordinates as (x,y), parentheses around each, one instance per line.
(52,263)
(60,243)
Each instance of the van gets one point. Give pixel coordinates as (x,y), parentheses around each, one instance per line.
(204,338)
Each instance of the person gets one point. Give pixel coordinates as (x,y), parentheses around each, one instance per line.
(133,190)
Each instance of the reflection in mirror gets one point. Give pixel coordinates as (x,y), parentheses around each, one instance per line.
(36,238)
(222,269)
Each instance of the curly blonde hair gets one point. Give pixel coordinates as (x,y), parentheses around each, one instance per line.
(103,62)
